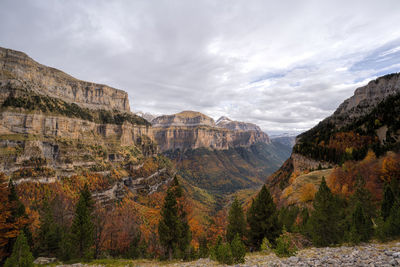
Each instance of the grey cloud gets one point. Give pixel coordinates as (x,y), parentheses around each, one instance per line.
(282,65)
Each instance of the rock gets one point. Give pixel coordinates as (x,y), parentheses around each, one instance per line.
(44,260)
(16,68)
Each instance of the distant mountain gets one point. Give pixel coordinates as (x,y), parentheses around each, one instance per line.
(191,130)
(145,115)
(225,122)
(288,139)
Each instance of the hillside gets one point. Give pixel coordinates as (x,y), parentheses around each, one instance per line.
(58,133)
(368,121)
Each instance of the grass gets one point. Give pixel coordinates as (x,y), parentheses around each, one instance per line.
(314,178)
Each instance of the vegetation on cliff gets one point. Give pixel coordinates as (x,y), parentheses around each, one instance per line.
(31,101)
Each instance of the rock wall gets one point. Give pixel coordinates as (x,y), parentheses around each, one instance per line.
(170,138)
(19,70)
(365,98)
(72,128)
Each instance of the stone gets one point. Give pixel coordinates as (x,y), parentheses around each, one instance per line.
(44,260)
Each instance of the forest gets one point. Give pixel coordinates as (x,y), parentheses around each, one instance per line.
(69,224)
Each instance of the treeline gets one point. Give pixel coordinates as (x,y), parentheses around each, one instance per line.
(329,143)
(36,102)
(331,220)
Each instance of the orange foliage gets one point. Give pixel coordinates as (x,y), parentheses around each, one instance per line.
(9,226)
(374,171)
(349,140)
(307,192)
(390,167)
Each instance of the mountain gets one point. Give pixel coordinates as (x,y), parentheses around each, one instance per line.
(145,115)
(191,130)
(287,139)
(365,126)
(58,133)
(227,123)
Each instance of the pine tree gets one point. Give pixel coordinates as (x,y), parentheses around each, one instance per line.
(326,218)
(82,225)
(392,224)
(49,232)
(173,228)
(203,247)
(387,202)
(262,218)
(238,249)
(21,255)
(10,224)
(236,222)
(361,226)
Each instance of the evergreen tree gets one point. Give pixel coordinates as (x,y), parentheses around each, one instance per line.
(392,224)
(387,202)
(236,222)
(18,217)
(49,232)
(21,255)
(326,218)
(262,218)
(203,247)
(82,225)
(173,228)
(361,227)
(238,249)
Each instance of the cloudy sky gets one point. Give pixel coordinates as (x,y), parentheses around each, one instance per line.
(284,65)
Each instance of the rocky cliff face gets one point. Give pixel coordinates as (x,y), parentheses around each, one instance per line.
(18,70)
(366,98)
(184,118)
(227,123)
(191,130)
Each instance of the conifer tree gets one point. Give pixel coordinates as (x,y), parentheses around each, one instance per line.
(173,228)
(49,232)
(236,221)
(387,202)
(82,226)
(262,218)
(325,219)
(12,217)
(203,247)
(361,226)
(21,255)
(238,249)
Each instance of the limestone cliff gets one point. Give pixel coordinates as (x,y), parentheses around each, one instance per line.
(225,122)
(18,70)
(191,130)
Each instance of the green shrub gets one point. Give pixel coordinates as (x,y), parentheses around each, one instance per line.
(238,250)
(285,246)
(224,254)
(21,255)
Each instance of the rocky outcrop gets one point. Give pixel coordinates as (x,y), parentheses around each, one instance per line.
(191,130)
(71,128)
(184,118)
(366,98)
(225,122)
(17,70)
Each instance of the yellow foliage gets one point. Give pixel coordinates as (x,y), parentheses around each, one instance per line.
(307,192)
(288,191)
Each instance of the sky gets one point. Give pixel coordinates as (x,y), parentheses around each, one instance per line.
(284,65)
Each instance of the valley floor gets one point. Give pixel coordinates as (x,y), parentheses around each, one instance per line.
(371,254)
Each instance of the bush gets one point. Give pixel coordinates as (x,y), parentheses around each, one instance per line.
(284,246)
(21,255)
(238,250)
(224,254)
(265,245)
